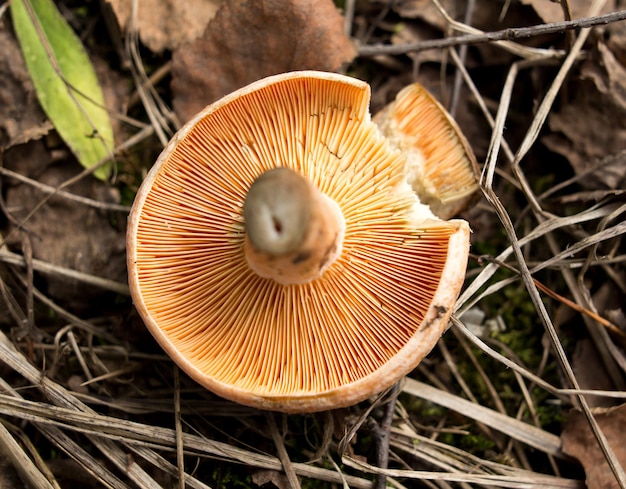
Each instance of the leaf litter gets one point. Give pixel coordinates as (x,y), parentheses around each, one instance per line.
(165,24)
(493,410)
(236,49)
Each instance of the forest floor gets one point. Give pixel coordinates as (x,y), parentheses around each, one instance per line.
(526,388)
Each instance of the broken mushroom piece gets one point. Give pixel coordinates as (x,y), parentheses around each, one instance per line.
(442,167)
(279,256)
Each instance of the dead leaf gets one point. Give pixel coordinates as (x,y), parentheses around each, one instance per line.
(608,75)
(410,33)
(63,233)
(427,11)
(553,12)
(9,477)
(488,15)
(591,125)
(591,373)
(616,40)
(578,441)
(166,24)
(617,317)
(250,39)
(22,118)
(266,476)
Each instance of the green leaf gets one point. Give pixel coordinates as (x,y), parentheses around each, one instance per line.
(65,81)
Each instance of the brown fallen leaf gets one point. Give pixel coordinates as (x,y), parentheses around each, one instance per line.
(427,11)
(591,373)
(65,233)
(262,477)
(166,24)
(591,125)
(615,35)
(22,119)
(9,477)
(411,33)
(250,39)
(578,441)
(487,15)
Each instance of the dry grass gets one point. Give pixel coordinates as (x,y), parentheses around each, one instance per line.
(130,422)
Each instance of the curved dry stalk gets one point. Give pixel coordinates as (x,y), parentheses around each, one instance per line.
(12,451)
(286,462)
(107,206)
(107,432)
(51,269)
(486,184)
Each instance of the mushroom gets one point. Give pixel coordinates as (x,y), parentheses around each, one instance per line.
(279,256)
(442,166)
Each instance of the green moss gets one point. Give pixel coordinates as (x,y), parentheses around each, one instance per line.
(232,477)
(475,443)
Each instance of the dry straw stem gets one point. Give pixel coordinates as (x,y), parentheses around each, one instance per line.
(51,269)
(451,459)
(461,466)
(180,449)
(547,223)
(162,119)
(573,305)
(60,396)
(114,437)
(287,464)
(486,183)
(457,465)
(107,206)
(530,480)
(12,451)
(565,394)
(518,430)
(137,435)
(65,443)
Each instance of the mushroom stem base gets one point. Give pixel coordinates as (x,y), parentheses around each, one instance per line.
(321,227)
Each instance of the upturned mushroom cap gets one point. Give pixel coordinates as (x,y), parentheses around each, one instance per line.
(337,337)
(442,166)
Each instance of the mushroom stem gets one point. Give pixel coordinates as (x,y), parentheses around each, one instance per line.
(293,231)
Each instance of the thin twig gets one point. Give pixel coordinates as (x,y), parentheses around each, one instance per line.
(458,76)
(564,300)
(51,269)
(348,16)
(382,435)
(494,200)
(180,454)
(509,34)
(61,193)
(27,251)
(288,467)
